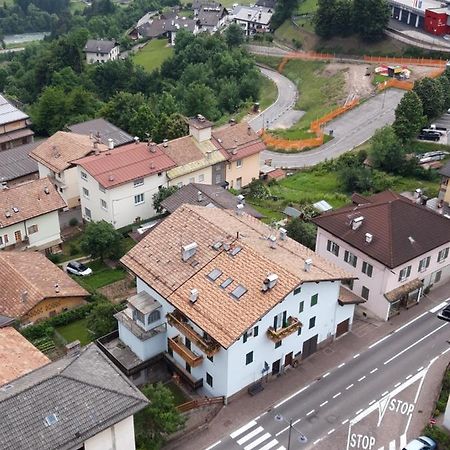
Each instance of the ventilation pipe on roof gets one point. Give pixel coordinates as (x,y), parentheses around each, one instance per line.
(165,143)
(249,130)
(193,295)
(308,265)
(24,296)
(56,287)
(91,135)
(283,234)
(269,282)
(136,140)
(241,199)
(188,251)
(273,241)
(234,150)
(199,196)
(46,190)
(152,147)
(357,222)
(239,209)
(369,238)
(110,144)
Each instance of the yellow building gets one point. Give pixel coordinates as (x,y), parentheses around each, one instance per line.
(444,191)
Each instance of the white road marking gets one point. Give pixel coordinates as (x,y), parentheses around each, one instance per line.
(282,431)
(341,365)
(323,404)
(359,412)
(324,376)
(415,343)
(384,393)
(420,368)
(374,370)
(362,378)
(381,448)
(392,445)
(337,395)
(291,396)
(317,441)
(214,445)
(345,421)
(296,422)
(403,441)
(258,441)
(372,402)
(269,445)
(398,384)
(331,431)
(356,356)
(242,429)
(437,308)
(349,387)
(379,341)
(250,435)
(311,412)
(410,322)
(408,377)
(445,351)
(281,448)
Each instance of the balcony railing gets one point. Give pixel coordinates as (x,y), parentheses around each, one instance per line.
(208,346)
(188,355)
(292,325)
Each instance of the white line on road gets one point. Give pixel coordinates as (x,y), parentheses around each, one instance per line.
(384,393)
(359,412)
(349,387)
(379,341)
(445,351)
(282,431)
(291,396)
(324,376)
(374,370)
(258,441)
(341,365)
(398,384)
(345,421)
(296,421)
(437,308)
(332,431)
(372,402)
(410,322)
(317,441)
(214,445)
(337,395)
(403,441)
(242,429)
(323,404)
(250,435)
(362,378)
(269,445)
(420,368)
(408,377)
(356,356)
(415,343)
(392,445)
(310,412)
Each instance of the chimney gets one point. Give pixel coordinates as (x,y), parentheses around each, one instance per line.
(152,165)
(110,144)
(308,264)
(165,143)
(193,295)
(239,209)
(136,140)
(357,222)
(189,250)
(111,178)
(153,147)
(46,190)
(56,287)
(95,145)
(199,196)
(91,135)
(241,199)
(273,241)
(417,193)
(24,296)
(249,130)
(234,150)
(369,238)
(283,234)
(269,282)
(73,348)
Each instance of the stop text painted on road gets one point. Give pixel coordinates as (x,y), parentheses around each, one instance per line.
(401,407)
(362,441)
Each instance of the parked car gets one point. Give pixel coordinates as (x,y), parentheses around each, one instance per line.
(421,443)
(429,136)
(431,156)
(445,314)
(77,268)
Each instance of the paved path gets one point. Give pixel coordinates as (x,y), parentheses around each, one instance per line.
(281,113)
(349,130)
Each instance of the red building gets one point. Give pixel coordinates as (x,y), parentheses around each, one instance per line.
(436,21)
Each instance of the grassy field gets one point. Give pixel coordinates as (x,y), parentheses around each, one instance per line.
(307,7)
(77,6)
(76,330)
(102,276)
(268,93)
(153,54)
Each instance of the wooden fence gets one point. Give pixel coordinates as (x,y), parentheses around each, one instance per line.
(198,403)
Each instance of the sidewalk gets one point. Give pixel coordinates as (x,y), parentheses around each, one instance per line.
(364,332)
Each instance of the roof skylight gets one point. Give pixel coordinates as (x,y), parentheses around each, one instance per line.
(238,291)
(214,274)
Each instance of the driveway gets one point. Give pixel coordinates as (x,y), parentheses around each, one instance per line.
(349,131)
(281,113)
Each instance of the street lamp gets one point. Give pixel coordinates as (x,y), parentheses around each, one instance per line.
(300,436)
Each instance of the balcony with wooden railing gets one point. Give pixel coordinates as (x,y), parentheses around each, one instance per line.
(291,326)
(188,355)
(206,345)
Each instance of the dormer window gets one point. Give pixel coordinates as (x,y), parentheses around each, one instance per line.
(138,316)
(153,317)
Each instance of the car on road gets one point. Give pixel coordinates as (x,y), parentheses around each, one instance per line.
(77,268)
(445,314)
(421,443)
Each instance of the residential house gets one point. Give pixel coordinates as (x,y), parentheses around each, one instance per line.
(103,131)
(29,215)
(33,288)
(207,195)
(252,19)
(393,246)
(18,356)
(211,17)
(118,186)
(16,165)
(228,300)
(444,191)
(100,51)
(77,402)
(14,125)
(242,147)
(55,158)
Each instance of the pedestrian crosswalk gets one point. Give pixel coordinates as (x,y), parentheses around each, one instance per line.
(253,437)
(396,444)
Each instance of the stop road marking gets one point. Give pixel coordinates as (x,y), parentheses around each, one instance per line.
(362,441)
(401,407)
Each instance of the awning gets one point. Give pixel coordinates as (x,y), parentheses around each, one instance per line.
(398,293)
(347,297)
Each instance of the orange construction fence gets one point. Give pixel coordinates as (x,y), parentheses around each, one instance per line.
(413,61)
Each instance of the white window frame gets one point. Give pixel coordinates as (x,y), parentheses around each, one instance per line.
(201,178)
(86,193)
(239,163)
(404,273)
(424,263)
(367,269)
(138,182)
(139,199)
(88,216)
(84,176)
(442,255)
(333,248)
(350,258)
(103,204)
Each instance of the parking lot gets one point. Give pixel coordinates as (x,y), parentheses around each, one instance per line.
(443,122)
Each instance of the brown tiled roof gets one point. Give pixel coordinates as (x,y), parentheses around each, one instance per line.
(59,150)
(347,297)
(17,355)
(183,150)
(401,229)
(129,162)
(157,261)
(211,195)
(33,273)
(276,174)
(30,199)
(399,292)
(240,137)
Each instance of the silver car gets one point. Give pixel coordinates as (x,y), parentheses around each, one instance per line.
(421,443)
(77,268)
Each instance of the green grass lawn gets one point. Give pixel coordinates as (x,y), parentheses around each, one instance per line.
(307,7)
(71,249)
(153,54)
(76,330)
(178,394)
(102,276)
(268,93)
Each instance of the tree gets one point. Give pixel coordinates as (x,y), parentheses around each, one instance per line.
(409,117)
(50,111)
(200,99)
(101,240)
(432,97)
(445,84)
(386,151)
(101,320)
(356,179)
(324,18)
(234,36)
(283,11)
(121,109)
(370,18)
(158,419)
(161,195)
(303,232)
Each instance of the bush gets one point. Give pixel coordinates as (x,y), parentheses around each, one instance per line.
(439,435)
(73,222)
(38,331)
(54,258)
(74,249)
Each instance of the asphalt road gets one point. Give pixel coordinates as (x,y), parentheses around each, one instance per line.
(324,408)
(349,130)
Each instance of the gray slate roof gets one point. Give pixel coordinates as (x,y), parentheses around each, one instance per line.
(16,162)
(99,46)
(212,195)
(210,15)
(445,171)
(87,393)
(105,129)
(9,113)
(158,27)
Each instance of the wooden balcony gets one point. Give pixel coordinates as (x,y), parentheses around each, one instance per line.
(291,326)
(190,357)
(208,346)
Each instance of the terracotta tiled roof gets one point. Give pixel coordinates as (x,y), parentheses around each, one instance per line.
(347,297)
(238,141)
(399,292)
(157,261)
(30,200)
(125,164)
(33,273)
(183,150)
(276,174)
(59,150)
(17,355)
(401,229)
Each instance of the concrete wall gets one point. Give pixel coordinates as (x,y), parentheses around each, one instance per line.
(118,437)
(66,183)
(248,171)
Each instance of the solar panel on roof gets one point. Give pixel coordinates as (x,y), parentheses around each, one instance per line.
(214,274)
(238,291)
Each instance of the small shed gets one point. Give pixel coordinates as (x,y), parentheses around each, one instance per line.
(322,206)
